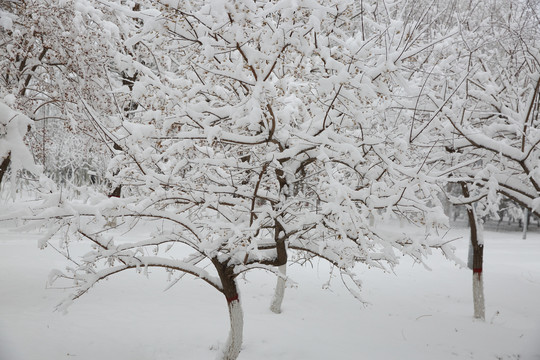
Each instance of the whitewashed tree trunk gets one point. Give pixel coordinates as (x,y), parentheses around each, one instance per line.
(478,296)
(232,347)
(476,257)
(525,223)
(479,302)
(279,292)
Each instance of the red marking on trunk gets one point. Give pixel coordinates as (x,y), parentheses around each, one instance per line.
(232,299)
(477,271)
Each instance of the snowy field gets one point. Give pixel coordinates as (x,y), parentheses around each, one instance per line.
(413,314)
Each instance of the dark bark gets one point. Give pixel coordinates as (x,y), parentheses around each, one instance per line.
(280,234)
(116,192)
(279,237)
(478,249)
(4,165)
(228,280)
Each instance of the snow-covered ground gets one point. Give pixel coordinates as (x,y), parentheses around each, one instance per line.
(413,314)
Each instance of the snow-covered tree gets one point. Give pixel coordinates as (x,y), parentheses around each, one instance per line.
(54,59)
(500,119)
(503,120)
(249,131)
(481,101)
(13,149)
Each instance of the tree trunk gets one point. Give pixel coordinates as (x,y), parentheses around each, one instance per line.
(478,296)
(232,347)
(477,268)
(279,291)
(3,166)
(280,262)
(525,223)
(477,256)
